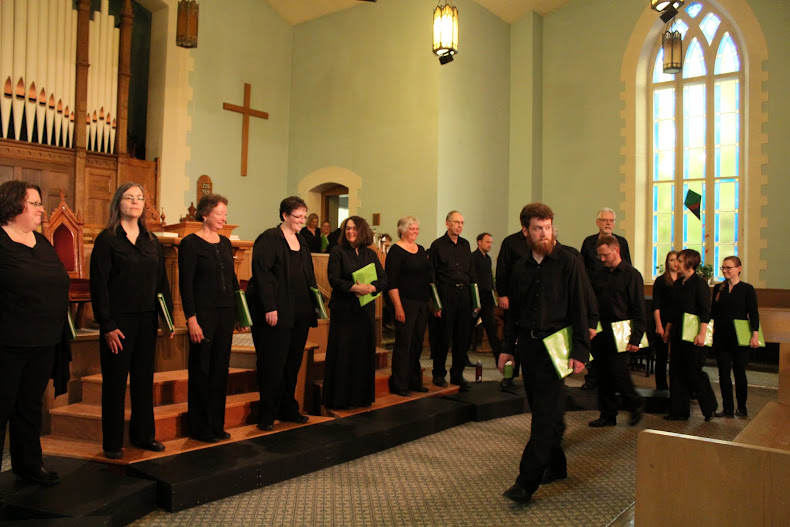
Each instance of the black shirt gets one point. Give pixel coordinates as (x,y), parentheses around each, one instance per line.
(662,298)
(546,297)
(513,248)
(313,240)
(621,296)
(34,293)
(740,303)
(126,277)
(452,262)
(409,273)
(589,295)
(689,296)
(206,275)
(590,253)
(482,265)
(343,261)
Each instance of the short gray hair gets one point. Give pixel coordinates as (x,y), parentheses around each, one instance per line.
(404,223)
(605,209)
(450,215)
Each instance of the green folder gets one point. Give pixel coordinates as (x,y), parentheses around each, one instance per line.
(72,328)
(366,275)
(324,243)
(436,302)
(622,335)
(475,291)
(691,329)
(559,345)
(318,303)
(599,327)
(744,332)
(165,312)
(243,316)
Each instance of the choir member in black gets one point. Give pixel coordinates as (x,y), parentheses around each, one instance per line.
(282,311)
(619,290)
(34,292)
(207,283)
(691,294)
(485,283)
(312,234)
(326,229)
(349,375)
(546,294)
(733,299)
(605,221)
(409,276)
(513,248)
(451,259)
(127,272)
(662,302)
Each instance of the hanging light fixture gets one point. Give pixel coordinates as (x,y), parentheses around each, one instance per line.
(187,25)
(445,32)
(661,5)
(672,44)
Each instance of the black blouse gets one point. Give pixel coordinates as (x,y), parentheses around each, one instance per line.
(126,277)
(313,240)
(409,273)
(206,275)
(740,303)
(690,296)
(342,262)
(662,299)
(34,293)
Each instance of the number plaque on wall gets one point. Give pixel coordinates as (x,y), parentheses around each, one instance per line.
(204,187)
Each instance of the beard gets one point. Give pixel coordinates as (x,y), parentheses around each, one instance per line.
(543,246)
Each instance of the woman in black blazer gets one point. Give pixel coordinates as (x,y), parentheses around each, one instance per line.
(733,299)
(282,312)
(312,234)
(34,297)
(208,284)
(349,374)
(127,272)
(691,294)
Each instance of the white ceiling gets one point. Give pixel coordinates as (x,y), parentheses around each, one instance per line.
(298,11)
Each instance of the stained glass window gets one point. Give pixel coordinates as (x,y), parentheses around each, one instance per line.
(709,26)
(694,65)
(693,10)
(658,70)
(727,56)
(680,27)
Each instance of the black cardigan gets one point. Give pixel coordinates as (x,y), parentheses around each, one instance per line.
(343,261)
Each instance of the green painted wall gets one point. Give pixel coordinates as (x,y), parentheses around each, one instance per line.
(241,41)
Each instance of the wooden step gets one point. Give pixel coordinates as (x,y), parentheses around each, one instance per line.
(171,386)
(244,356)
(83,421)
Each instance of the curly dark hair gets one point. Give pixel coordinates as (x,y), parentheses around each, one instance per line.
(12,199)
(290,204)
(207,204)
(364,233)
(537,210)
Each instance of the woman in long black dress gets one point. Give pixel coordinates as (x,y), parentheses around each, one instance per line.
(662,303)
(127,273)
(34,296)
(208,283)
(350,368)
(409,276)
(691,294)
(312,234)
(282,312)
(733,299)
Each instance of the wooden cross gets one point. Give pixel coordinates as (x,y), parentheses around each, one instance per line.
(246,111)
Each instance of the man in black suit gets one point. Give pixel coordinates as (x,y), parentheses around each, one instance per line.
(485,282)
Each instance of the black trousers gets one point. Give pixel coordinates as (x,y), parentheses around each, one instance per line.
(454,326)
(730,356)
(686,374)
(135,360)
(486,316)
(662,353)
(279,356)
(208,372)
(24,375)
(409,336)
(546,396)
(613,377)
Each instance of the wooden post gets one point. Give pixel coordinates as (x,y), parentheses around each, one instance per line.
(124,76)
(80,140)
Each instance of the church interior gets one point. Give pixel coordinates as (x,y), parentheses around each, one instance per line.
(345,104)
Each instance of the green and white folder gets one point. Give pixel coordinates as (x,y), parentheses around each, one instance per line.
(366,275)
(165,312)
(436,302)
(691,329)
(318,303)
(72,328)
(599,327)
(744,332)
(475,291)
(243,316)
(622,335)
(559,345)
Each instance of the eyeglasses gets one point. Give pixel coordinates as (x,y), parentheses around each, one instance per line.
(604,256)
(605,220)
(36,204)
(132,199)
(725,268)
(299,218)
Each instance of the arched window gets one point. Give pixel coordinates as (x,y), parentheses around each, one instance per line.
(696,142)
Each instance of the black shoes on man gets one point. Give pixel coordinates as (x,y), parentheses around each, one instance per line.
(42,476)
(152,445)
(518,494)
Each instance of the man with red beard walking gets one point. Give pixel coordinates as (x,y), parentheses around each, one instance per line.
(546,295)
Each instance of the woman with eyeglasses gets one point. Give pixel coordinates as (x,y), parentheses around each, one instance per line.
(208,283)
(127,272)
(282,312)
(349,374)
(733,300)
(662,302)
(34,294)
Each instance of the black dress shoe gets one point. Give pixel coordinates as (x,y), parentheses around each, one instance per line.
(152,445)
(420,389)
(518,494)
(267,427)
(725,413)
(741,412)
(42,476)
(206,439)
(709,417)
(462,383)
(223,436)
(675,418)
(551,476)
(298,418)
(603,421)
(113,454)
(636,416)
(402,393)
(440,382)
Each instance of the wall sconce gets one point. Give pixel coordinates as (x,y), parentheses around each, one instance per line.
(672,44)
(445,32)
(187,25)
